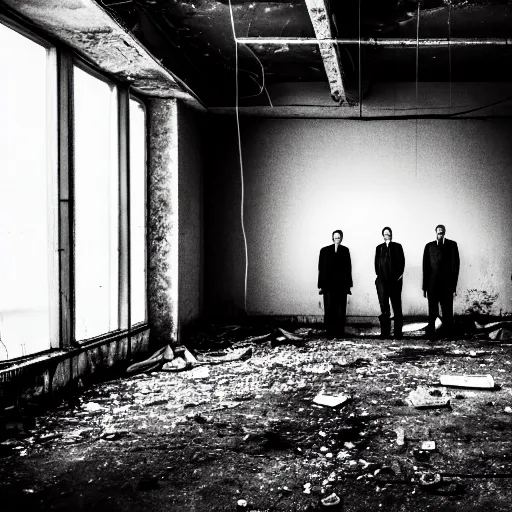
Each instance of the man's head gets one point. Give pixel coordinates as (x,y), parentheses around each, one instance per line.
(387,234)
(337,236)
(440,232)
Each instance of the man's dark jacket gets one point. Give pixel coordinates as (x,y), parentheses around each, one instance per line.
(397,260)
(441,266)
(335,269)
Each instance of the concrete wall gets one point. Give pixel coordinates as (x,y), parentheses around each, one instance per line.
(190,183)
(306,177)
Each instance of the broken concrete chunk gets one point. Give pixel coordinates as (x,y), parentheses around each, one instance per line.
(400,436)
(330,400)
(428,445)
(92,407)
(200,372)
(468,381)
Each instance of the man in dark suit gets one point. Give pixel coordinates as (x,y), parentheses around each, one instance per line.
(389,267)
(440,275)
(334,282)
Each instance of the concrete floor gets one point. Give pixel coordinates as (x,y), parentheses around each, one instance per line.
(202,439)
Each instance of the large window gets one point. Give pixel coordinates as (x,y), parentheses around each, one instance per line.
(67,161)
(138,211)
(28,204)
(96,206)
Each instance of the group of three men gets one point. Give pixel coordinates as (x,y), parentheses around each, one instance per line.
(440,275)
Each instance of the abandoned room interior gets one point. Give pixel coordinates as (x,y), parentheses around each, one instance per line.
(170,171)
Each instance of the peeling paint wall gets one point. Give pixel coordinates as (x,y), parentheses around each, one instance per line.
(190,157)
(305,178)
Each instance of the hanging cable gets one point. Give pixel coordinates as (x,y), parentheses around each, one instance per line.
(450,52)
(359,64)
(263,86)
(417,80)
(240,157)
(417,48)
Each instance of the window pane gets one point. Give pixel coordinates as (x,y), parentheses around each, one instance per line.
(138,211)
(28,255)
(96,206)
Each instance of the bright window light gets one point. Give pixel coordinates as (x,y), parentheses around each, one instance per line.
(96,189)
(28,205)
(138,211)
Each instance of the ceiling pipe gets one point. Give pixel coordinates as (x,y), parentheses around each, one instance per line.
(390,43)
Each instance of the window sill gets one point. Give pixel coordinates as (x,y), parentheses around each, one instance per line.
(57,355)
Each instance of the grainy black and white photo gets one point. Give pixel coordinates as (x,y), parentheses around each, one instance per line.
(255,255)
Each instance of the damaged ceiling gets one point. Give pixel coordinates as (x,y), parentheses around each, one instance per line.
(352,45)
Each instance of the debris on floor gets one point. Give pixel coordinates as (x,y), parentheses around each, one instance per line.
(330,400)
(423,397)
(202,438)
(468,381)
(169,360)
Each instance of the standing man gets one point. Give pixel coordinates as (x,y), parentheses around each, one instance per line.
(389,267)
(440,274)
(334,282)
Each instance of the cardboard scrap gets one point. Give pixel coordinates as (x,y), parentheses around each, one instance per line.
(330,400)
(421,398)
(468,381)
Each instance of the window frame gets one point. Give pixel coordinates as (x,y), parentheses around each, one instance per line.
(121,285)
(144,106)
(52,172)
(63,182)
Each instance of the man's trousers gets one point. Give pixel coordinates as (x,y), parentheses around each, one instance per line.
(444,298)
(390,292)
(335,309)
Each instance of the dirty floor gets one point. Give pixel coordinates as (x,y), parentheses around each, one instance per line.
(200,440)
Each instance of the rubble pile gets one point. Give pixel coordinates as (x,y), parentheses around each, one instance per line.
(272,425)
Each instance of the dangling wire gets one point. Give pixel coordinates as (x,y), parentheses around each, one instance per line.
(450,52)
(240,157)
(417,79)
(360,85)
(263,86)
(417,49)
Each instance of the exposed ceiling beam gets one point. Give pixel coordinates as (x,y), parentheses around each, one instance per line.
(439,42)
(319,15)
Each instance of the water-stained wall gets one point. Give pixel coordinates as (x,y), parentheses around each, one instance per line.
(305,178)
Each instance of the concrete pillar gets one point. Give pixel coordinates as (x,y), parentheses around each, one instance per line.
(162,197)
